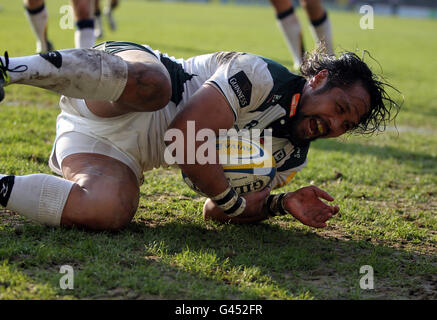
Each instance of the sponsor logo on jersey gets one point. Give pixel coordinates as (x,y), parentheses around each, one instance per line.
(279,155)
(54,57)
(242,88)
(294,103)
(252,186)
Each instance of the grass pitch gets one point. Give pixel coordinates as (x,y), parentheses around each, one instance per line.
(385,185)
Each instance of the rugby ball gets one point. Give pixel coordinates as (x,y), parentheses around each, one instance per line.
(246,164)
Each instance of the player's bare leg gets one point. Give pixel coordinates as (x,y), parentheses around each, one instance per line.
(148,87)
(139,83)
(108,12)
(290,27)
(105,194)
(98,192)
(320,23)
(313,8)
(98,28)
(112,84)
(84,16)
(37,15)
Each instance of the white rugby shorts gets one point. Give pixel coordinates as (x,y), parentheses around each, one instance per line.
(80,131)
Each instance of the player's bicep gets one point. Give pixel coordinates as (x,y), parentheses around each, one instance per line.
(208,108)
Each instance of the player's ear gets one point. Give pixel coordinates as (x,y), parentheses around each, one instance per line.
(319,80)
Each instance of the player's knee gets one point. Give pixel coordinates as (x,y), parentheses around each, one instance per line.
(111,210)
(118,209)
(152,85)
(112,215)
(160,89)
(117,216)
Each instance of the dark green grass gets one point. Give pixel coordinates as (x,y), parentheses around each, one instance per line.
(385,185)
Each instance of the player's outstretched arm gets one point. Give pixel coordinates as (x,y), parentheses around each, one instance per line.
(304,204)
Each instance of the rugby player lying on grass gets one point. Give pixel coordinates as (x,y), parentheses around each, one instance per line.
(120,98)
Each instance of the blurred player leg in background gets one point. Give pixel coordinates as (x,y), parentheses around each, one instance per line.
(320,23)
(98,29)
(289,24)
(108,12)
(84,15)
(37,15)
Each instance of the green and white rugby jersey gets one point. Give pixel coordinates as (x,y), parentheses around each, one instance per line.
(260,92)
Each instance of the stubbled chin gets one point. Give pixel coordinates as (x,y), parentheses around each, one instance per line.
(299,133)
(300,138)
(304,131)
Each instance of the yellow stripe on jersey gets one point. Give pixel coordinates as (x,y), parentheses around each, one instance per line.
(264,164)
(288,179)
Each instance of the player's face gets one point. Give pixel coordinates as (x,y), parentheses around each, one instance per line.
(329,113)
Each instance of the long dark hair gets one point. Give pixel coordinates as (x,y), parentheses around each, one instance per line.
(345,71)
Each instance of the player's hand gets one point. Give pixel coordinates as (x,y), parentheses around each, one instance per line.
(255,203)
(304,204)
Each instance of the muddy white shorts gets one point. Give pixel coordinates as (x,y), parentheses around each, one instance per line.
(80,131)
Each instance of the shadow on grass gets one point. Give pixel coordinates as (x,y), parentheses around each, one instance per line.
(298,260)
(121,265)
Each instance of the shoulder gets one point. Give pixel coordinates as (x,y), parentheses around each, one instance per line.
(244,79)
(244,66)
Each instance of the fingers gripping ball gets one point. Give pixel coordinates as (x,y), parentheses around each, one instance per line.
(247,165)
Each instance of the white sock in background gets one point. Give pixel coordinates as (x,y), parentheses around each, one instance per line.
(84,36)
(38,21)
(39,197)
(322,32)
(290,26)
